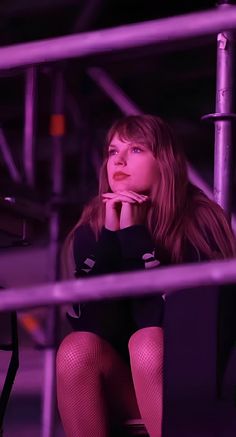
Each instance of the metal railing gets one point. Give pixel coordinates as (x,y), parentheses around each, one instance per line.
(164,280)
(166,30)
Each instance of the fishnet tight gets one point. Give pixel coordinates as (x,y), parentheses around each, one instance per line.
(146,359)
(94,386)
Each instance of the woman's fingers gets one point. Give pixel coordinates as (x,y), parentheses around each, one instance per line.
(122,198)
(119,198)
(126,196)
(135,196)
(108,195)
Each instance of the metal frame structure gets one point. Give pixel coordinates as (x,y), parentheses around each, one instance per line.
(160,31)
(167,279)
(163,31)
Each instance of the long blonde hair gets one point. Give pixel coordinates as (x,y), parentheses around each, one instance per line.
(179,211)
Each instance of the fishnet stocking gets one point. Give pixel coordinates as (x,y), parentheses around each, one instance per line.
(94,386)
(146,359)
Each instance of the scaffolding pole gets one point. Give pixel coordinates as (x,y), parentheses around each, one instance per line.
(163,280)
(57,135)
(165,30)
(8,158)
(29,127)
(223,163)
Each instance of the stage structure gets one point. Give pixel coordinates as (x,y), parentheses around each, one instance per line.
(221,21)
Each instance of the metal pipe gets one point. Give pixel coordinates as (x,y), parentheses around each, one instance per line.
(49,393)
(49,381)
(29,128)
(196,179)
(223,165)
(104,81)
(223,128)
(8,158)
(57,133)
(165,280)
(165,30)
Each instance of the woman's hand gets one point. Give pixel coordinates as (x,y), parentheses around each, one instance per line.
(124,209)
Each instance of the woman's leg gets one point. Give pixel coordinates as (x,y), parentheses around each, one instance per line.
(93,383)
(146,359)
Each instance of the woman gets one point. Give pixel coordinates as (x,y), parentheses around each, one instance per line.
(147,214)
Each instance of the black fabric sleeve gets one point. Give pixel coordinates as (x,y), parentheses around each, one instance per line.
(95,257)
(137,248)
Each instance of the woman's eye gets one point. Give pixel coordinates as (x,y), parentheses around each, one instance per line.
(136,149)
(112,152)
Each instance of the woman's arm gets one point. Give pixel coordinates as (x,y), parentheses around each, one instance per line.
(137,248)
(95,257)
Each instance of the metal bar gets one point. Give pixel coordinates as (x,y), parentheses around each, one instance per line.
(165,30)
(49,382)
(12,369)
(29,127)
(104,81)
(8,159)
(223,128)
(49,391)
(196,179)
(161,280)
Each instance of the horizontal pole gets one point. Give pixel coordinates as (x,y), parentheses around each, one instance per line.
(143,34)
(164,280)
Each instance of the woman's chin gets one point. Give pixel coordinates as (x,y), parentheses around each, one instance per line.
(125,185)
(121,186)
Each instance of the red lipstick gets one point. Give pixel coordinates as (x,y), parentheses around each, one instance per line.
(119,175)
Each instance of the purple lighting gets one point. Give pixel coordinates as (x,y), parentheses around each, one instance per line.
(123,37)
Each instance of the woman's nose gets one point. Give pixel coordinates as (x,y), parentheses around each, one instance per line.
(120,159)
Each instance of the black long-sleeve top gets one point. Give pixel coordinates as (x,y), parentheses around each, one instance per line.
(128,249)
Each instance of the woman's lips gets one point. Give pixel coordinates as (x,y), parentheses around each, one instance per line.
(119,176)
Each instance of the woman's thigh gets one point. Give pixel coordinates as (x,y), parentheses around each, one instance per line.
(92,353)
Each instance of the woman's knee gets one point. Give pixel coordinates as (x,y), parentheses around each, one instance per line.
(146,349)
(78,351)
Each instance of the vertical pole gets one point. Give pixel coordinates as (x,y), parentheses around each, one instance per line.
(223,127)
(29,128)
(57,133)
(8,158)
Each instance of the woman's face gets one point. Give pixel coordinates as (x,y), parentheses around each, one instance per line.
(130,166)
